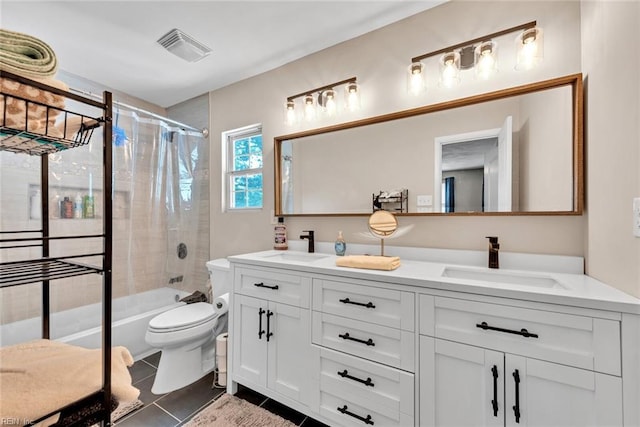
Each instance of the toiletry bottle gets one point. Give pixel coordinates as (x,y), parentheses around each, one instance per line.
(77,206)
(340,245)
(280,231)
(54,206)
(67,208)
(89,207)
(36,205)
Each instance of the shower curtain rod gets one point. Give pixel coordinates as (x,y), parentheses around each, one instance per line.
(204,132)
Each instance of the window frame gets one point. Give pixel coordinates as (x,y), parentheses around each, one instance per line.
(228,171)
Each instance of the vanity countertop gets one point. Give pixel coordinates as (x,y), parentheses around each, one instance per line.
(577,290)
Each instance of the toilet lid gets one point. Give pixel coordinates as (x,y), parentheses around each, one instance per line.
(181,317)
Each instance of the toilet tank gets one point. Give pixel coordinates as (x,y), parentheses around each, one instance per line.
(220,276)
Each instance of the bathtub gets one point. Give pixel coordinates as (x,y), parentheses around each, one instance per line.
(82,325)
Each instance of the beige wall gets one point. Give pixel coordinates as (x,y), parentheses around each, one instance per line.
(379,60)
(611,63)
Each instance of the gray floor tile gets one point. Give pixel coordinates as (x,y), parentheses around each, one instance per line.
(150,416)
(153,359)
(145,391)
(184,402)
(141,370)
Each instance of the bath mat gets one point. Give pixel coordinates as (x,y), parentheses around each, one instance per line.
(231,411)
(123,409)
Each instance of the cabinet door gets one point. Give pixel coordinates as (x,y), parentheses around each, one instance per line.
(289,351)
(249,339)
(457,385)
(540,394)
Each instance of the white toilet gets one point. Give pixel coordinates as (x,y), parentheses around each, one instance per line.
(186,335)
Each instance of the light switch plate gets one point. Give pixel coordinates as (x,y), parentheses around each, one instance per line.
(636,216)
(424,200)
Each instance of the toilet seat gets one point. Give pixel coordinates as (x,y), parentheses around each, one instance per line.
(185,317)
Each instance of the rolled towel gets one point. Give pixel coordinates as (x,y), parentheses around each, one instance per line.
(26,55)
(371,262)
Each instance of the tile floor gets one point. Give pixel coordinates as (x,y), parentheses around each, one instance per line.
(176,408)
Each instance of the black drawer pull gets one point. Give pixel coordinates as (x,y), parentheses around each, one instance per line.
(366,420)
(494,402)
(269,333)
(260,330)
(522,331)
(346,336)
(516,407)
(262,285)
(345,374)
(348,301)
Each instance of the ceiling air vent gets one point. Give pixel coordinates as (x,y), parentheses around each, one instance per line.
(184,46)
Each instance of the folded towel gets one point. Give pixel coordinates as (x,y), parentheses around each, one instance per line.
(41,376)
(38,119)
(26,55)
(370,262)
(74,124)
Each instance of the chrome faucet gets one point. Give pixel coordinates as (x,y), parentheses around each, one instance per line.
(494,248)
(311,242)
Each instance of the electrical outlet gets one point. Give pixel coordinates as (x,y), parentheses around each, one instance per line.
(422,209)
(274,219)
(424,200)
(636,216)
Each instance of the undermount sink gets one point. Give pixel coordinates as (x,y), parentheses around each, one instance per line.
(297,257)
(511,278)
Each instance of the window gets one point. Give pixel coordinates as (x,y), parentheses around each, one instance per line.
(244,186)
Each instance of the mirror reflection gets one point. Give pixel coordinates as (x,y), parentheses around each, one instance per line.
(511,151)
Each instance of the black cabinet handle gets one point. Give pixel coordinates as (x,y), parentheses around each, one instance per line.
(522,332)
(516,407)
(345,374)
(262,285)
(346,336)
(269,333)
(260,330)
(348,301)
(366,420)
(494,402)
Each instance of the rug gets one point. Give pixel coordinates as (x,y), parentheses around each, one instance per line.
(122,410)
(230,411)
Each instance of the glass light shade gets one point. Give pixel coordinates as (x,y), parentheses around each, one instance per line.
(450,69)
(328,102)
(289,112)
(309,106)
(352,96)
(486,59)
(529,48)
(416,78)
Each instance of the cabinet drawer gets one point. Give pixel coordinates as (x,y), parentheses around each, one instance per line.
(272,285)
(354,411)
(580,341)
(386,389)
(390,346)
(386,307)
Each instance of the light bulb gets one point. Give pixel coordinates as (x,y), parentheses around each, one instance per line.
(309,108)
(329,102)
(529,48)
(290,112)
(450,69)
(486,63)
(352,96)
(415,78)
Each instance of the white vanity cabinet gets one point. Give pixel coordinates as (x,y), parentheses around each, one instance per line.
(405,348)
(364,371)
(271,345)
(517,366)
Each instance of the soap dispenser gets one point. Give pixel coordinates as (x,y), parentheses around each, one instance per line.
(340,245)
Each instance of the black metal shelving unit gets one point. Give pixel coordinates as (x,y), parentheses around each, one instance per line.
(24,139)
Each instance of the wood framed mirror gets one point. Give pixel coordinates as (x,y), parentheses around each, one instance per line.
(516,151)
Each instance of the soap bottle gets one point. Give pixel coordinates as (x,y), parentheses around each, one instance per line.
(77,206)
(67,208)
(89,207)
(340,245)
(280,235)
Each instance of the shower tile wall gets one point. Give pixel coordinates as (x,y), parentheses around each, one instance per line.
(139,264)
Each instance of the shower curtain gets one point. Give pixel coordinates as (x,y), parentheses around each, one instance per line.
(160,212)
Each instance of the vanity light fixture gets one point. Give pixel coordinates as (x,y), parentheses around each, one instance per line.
(480,54)
(322,101)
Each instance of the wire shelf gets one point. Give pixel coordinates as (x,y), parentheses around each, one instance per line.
(24,272)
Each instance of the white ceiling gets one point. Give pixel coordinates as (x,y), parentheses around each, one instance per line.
(114,42)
